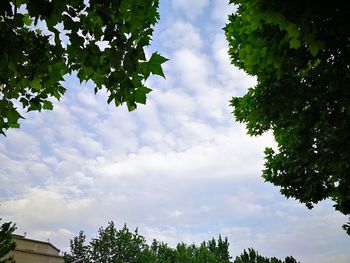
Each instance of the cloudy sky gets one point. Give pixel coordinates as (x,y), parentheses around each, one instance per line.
(179,168)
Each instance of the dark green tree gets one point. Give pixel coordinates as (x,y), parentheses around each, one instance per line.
(252,256)
(105,43)
(300,53)
(6,242)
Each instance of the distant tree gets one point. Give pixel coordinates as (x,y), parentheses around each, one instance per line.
(6,242)
(106,41)
(252,256)
(111,245)
(114,245)
(300,53)
(220,248)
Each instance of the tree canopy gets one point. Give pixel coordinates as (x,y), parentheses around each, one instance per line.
(252,256)
(105,43)
(6,242)
(123,246)
(300,53)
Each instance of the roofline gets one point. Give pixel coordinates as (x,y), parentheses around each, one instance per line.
(36,253)
(35,240)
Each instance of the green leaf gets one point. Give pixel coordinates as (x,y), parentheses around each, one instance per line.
(130,61)
(154,64)
(315,47)
(294,43)
(35,84)
(117,102)
(27,20)
(47,105)
(145,69)
(140,94)
(110,98)
(13,117)
(292,31)
(131,106)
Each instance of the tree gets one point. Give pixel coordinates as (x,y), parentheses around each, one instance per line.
(220,248)
(119,246)
(106,40)
(300,53)
(111,245)
(252,256)
(6,242)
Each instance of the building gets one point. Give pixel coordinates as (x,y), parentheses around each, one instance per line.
(35,251)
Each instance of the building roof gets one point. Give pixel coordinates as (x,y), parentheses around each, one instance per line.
(16,236)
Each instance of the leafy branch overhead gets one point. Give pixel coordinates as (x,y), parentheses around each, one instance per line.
(300,53)
(106,41)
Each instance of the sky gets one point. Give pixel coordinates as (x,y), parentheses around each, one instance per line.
(179,168)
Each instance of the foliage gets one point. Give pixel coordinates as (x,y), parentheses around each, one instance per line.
(121,246)
(106,41)
(346,227)
(252,256)
(114,245)
(300,52)
(212,251)
(6,242)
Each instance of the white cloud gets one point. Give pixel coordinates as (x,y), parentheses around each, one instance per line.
(191,9)
(193,70)
(230,77)
(181,34)
(221,9)
(40,170)
(88,98)
(19,142)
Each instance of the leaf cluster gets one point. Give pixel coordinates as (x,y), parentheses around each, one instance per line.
(105,43)
(300,54)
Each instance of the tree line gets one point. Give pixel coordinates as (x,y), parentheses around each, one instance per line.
(113,246)
(124,246)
